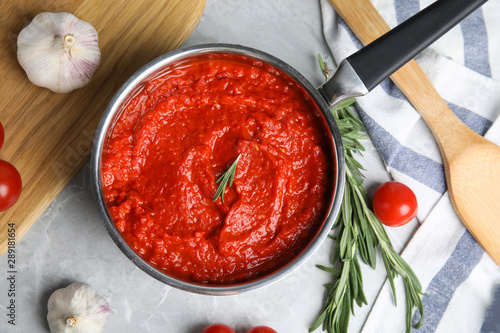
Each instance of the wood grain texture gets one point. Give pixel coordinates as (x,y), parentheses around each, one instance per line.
(48,136)
(471,163)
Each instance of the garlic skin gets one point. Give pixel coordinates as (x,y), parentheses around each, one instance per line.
(58,51)
(77,309)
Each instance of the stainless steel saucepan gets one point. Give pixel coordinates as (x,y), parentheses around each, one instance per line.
(355,76)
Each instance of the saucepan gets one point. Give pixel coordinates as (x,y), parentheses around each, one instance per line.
(355,76)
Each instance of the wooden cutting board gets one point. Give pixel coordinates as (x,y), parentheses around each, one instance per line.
(48,136)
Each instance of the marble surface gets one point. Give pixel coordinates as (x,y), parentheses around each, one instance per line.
(69,243)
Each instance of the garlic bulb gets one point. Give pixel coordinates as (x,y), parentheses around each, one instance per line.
(58,51)
(77,309)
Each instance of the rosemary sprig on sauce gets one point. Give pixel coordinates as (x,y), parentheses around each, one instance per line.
(226,176)
(359,232)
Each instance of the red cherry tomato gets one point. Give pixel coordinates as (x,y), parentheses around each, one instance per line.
(261,329)
(2,135)
(394,204)
(218,328)
(10,185)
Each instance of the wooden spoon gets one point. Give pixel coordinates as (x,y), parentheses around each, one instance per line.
(471,163)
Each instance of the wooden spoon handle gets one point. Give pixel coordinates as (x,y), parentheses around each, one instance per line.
(365,21)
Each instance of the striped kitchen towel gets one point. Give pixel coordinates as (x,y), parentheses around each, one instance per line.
(458,277)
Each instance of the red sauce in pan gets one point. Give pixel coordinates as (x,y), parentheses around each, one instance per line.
(180,133)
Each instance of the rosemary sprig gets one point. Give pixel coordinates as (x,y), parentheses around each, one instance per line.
(359,232)
(226,176)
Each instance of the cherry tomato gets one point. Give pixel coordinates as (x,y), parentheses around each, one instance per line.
(10,185)
(2,135)
(261,329)
(218,328)
(394,204)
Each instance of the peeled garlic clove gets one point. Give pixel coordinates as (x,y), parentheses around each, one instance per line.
(77,309)
(58,51)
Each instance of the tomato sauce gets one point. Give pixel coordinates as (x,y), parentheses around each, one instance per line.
(180,132)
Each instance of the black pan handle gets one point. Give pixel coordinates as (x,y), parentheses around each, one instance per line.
(364,70)
(379,59)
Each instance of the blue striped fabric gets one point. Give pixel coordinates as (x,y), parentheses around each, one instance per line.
(467,252)
(474,121)
(405,9)
(491,323)
(397,147)
(390,89)
(409,162)
(403,159)
(462,261)
(476,43)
